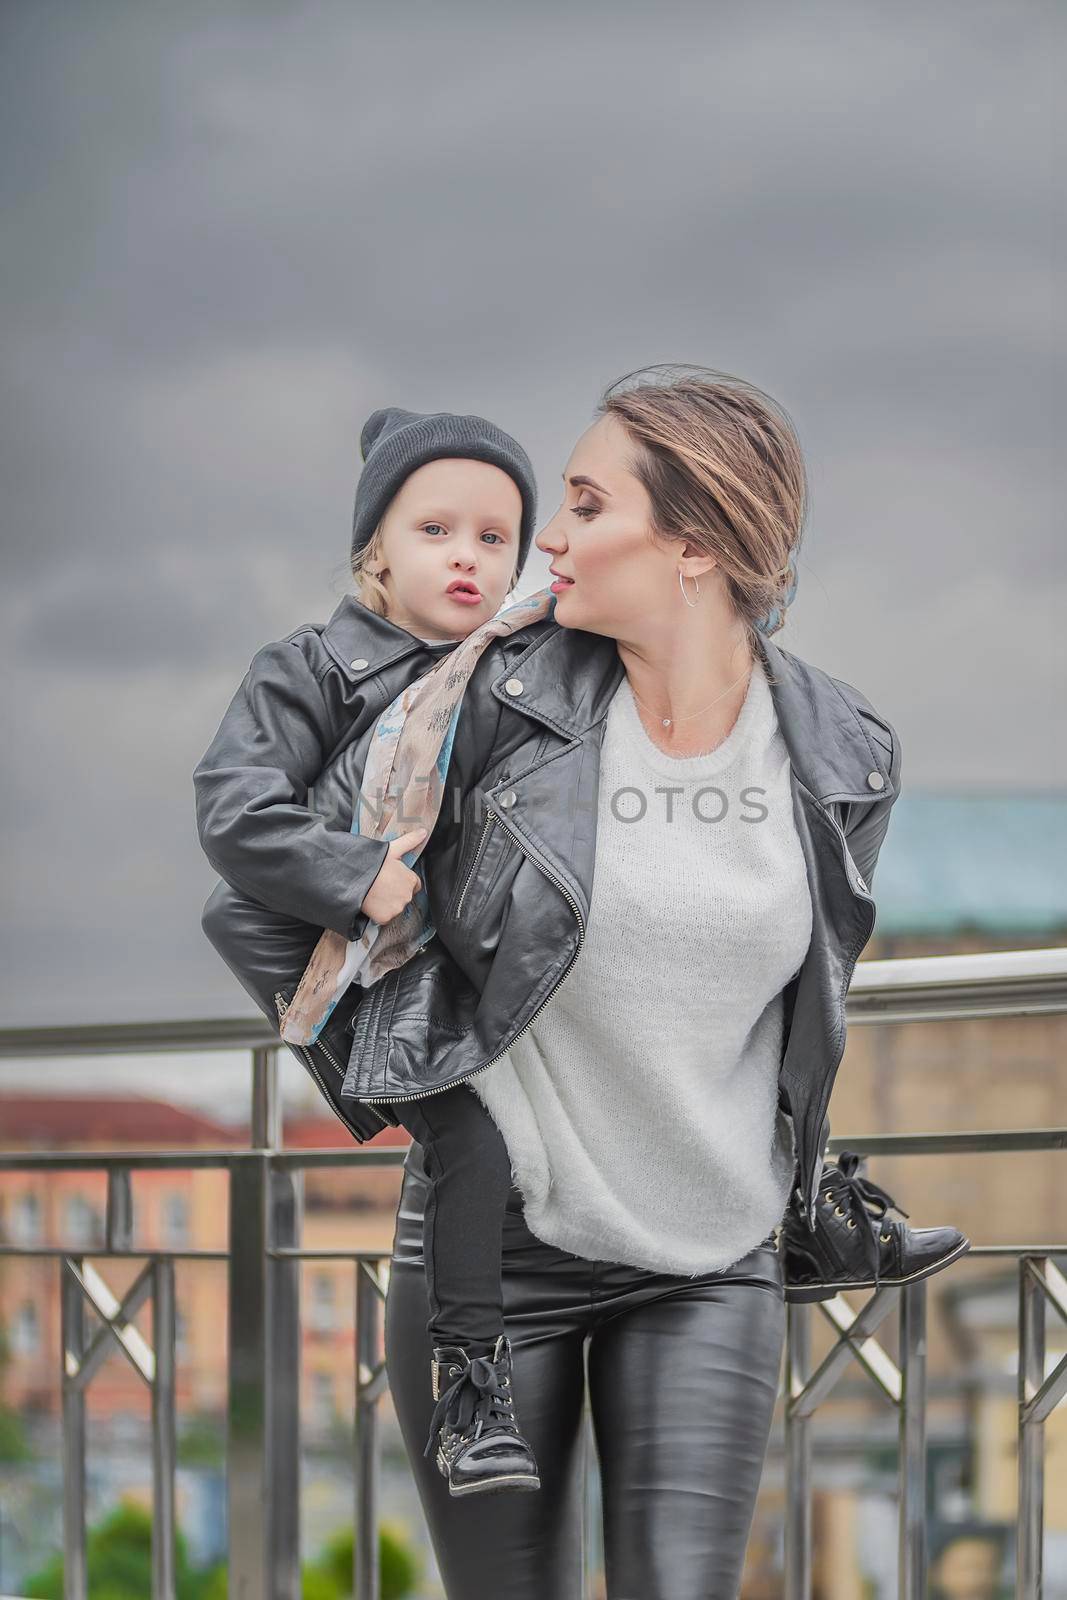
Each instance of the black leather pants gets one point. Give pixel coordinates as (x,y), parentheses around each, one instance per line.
(682,1375)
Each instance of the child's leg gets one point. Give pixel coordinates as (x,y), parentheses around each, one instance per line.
(469,1169)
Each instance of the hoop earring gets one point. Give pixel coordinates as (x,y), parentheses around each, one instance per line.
(681,585)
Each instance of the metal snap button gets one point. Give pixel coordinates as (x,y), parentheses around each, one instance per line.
(875,780)
(514,686)
(360,661)
(508,798)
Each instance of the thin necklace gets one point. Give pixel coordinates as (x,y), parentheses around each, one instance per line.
(667,721)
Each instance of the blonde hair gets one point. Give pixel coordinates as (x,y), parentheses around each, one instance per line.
(369,588)
(723,468)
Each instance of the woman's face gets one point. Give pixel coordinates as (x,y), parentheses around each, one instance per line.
(601,537)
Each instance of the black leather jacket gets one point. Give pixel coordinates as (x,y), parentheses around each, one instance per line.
(274,793)
(509,871)
(509,867)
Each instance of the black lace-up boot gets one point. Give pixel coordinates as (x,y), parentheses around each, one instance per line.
(855,1245)
(474,1428)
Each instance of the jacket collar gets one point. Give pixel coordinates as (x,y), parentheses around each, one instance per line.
(362,642)
(567,677)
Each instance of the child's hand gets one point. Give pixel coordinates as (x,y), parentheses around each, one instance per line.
(395,884)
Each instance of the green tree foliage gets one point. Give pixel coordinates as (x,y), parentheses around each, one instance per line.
(119,1557)
(399,1566)
(14,1446)
(119,1561)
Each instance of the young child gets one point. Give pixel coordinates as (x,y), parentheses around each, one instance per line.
(444,502)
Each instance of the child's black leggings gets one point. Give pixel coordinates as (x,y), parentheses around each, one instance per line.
(469,1172)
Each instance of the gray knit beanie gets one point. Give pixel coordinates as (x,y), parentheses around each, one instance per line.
(394,442)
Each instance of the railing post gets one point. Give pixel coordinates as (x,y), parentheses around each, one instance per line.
(266,1118)
(798,1544)
(1031,1500)
(367,1574)
(118,1229)
(246,1445)
(285,1190)
(264,1408)
(72,1317)
(163,1431)
(911,1469)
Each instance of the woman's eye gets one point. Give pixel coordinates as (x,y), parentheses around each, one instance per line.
(584,511)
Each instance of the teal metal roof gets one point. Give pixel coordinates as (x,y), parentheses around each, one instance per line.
(956,860)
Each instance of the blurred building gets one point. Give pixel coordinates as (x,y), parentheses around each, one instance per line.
(173,1210)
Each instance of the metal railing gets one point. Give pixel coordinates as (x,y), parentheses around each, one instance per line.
(265,1252)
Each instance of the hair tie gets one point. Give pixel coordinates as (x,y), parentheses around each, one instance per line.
(772,621)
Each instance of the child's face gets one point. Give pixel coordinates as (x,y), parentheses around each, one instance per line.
(449,520)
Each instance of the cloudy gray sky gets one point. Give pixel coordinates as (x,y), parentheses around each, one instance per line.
(232,231)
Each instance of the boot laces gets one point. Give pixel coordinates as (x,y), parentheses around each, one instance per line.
(864,1197)
(478,1399)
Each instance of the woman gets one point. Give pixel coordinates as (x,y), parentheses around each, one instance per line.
(659,1050)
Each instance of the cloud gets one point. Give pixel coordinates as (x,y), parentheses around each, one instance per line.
(231,232)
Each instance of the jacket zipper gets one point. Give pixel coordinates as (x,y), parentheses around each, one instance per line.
(397,1098)
(282,1006)
(489,820)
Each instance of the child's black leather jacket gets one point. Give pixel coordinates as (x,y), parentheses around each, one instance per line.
(289,865)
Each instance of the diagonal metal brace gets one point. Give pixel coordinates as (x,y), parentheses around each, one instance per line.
(854,1330)
(1041,1400)
(116,1319)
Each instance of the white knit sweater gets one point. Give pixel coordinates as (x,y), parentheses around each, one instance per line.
(640,1110)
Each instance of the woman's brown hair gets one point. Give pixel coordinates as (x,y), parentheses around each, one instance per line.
(723,468)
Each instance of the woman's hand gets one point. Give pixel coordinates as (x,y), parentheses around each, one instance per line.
(395,884)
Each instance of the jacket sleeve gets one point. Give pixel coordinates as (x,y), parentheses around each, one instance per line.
(251,789)
(867,824)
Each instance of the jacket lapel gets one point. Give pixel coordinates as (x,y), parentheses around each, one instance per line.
(567,678)
(363,643)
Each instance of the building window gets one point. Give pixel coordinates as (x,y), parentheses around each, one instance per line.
(26,1330)
(322,1312)
(175,1221)
(26,1221)
(82,1225)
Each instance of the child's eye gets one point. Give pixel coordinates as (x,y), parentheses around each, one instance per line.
(428,527)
